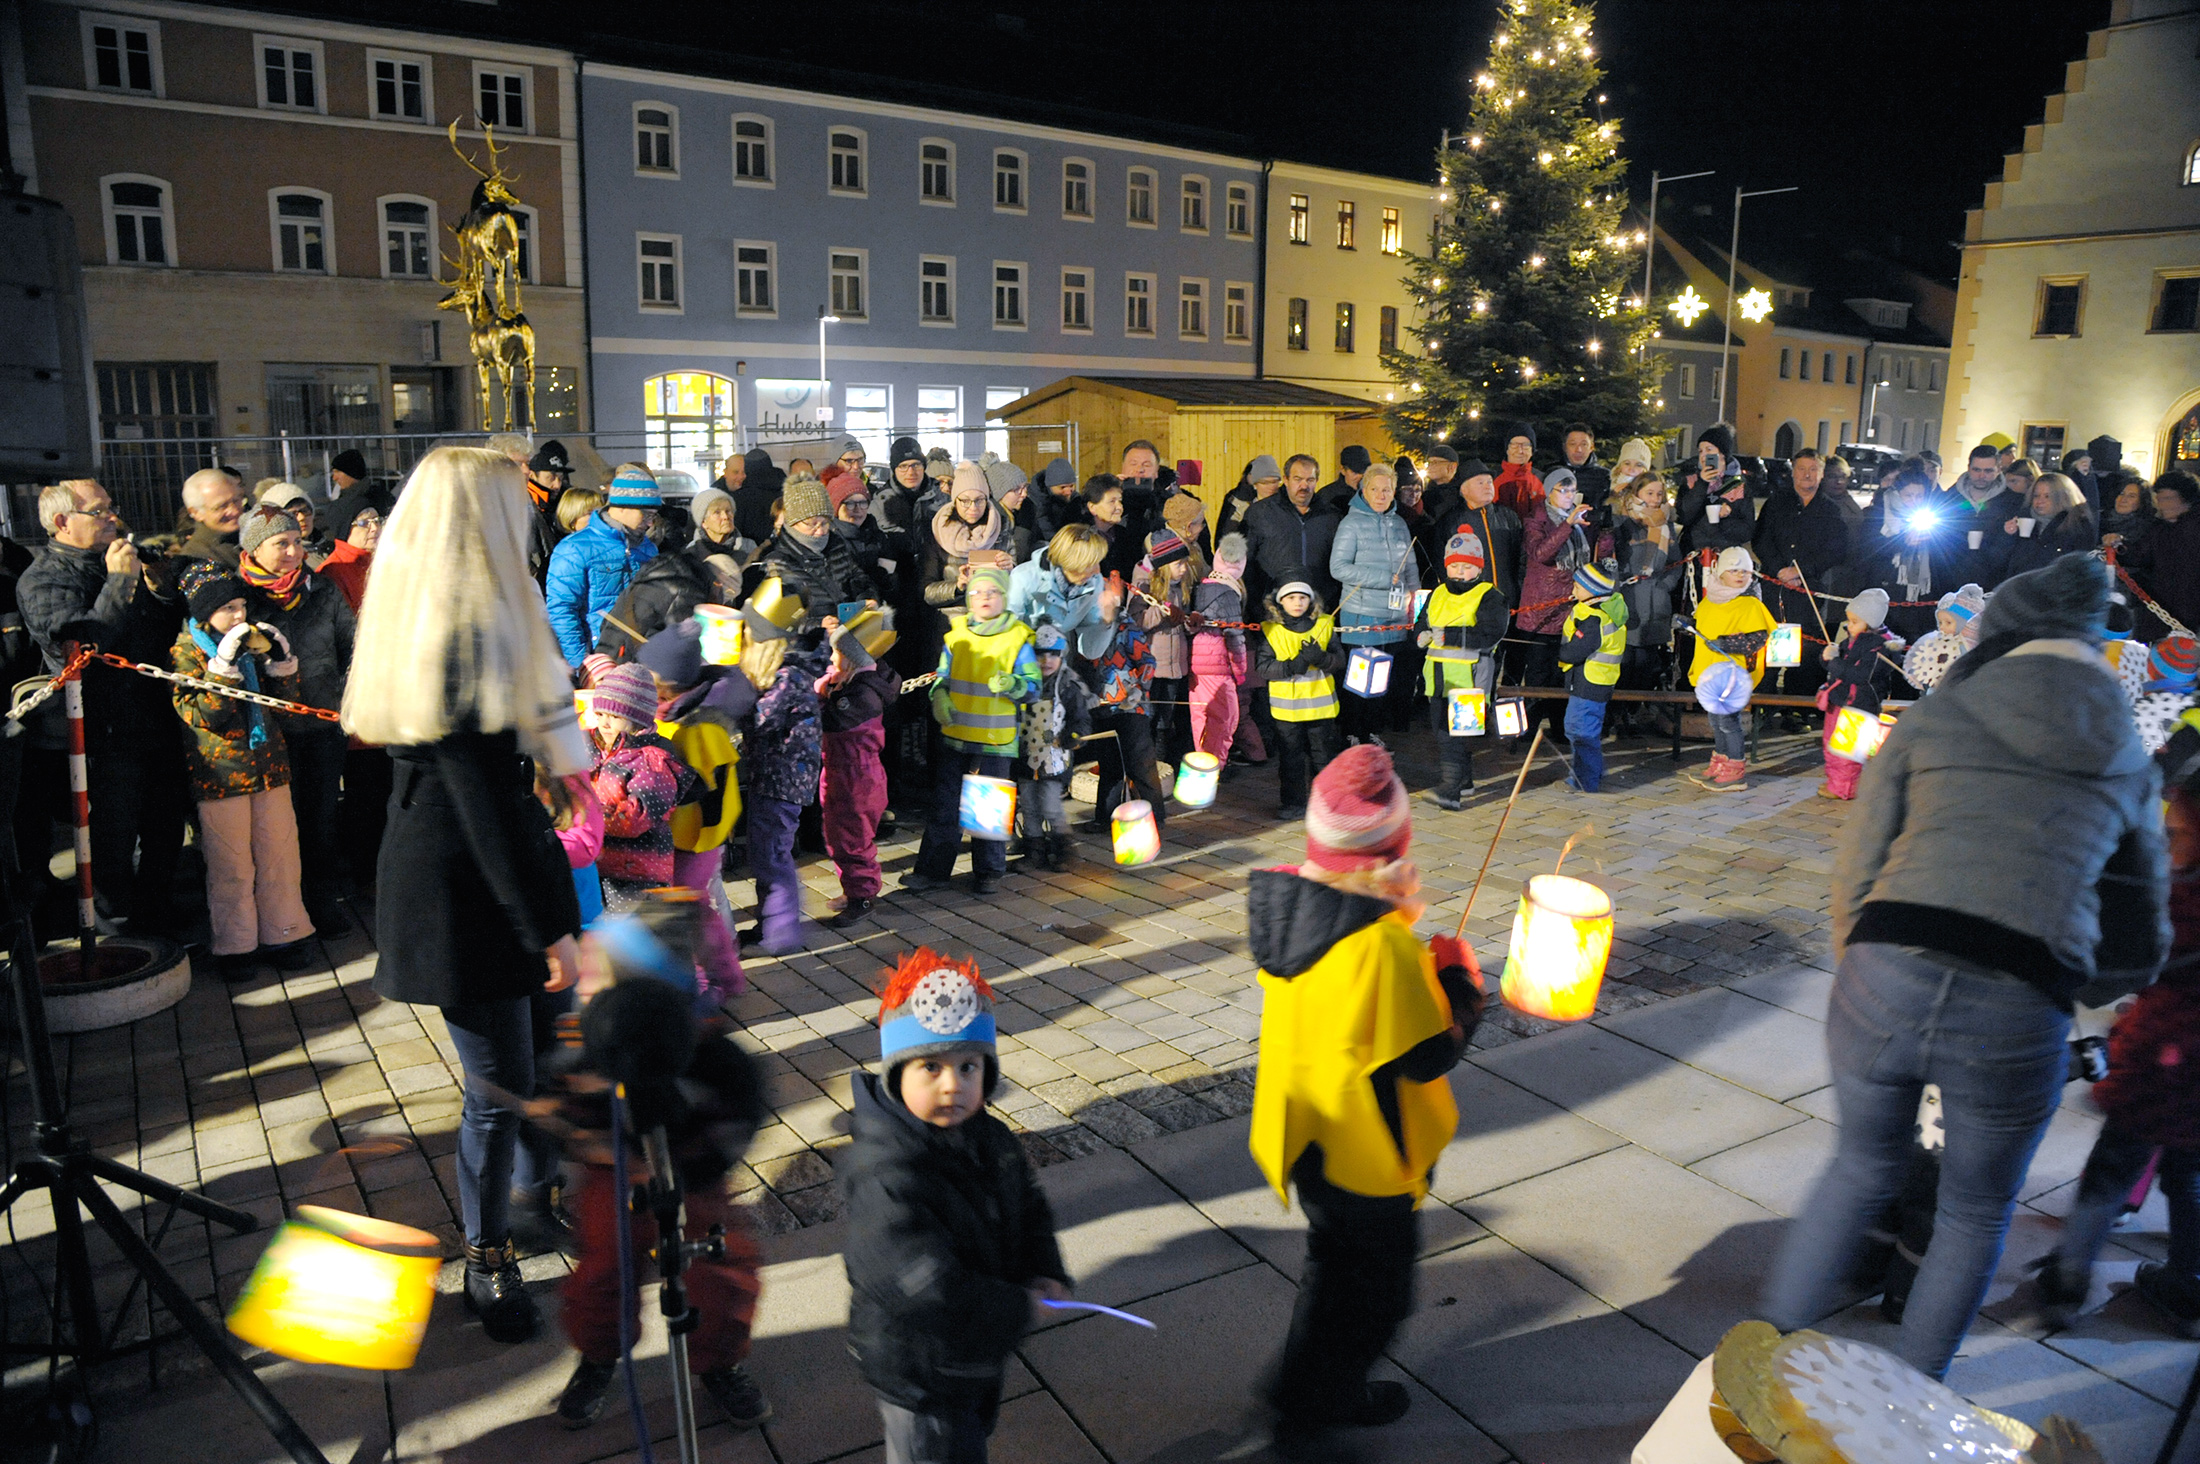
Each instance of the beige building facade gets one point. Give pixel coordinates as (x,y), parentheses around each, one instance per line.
(264,205)
(1335,296)
(2078,308)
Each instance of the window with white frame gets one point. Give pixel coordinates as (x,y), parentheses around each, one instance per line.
(408,238)
(299,218)
(850,270)
(121,54)
(1077,300)
(1008,180)
(1687,386)
(755,289)
(1008,295)
(503,96)
(936,170)
(1347,317)
(1237,211)
(1138,208)
(936,290)
(997,397)
(290,74)
(1191,310)
(1348,217)
(939,413)
(752,152)
(657,139)
(844,160)
(399,86)
(140,225)
(1237,312)
(1394,233)
(1138,304)
(659,256)
(1076,188)
(524,217)
(871,419)
(1192,205)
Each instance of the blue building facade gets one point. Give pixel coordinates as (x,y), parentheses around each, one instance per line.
(964,260)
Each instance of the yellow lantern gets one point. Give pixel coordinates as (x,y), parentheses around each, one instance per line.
(1786,646)
(988,807)
(1857,734)
(1466,711)
(341,1289)
(1137,836)
(1197,778)
(1561,938)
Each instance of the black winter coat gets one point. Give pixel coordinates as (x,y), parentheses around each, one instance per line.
(752,501)
(1737,523)
(1503,544)
(1955,562)
(863,697)
(946,1227)
(663,592)
(1813,536)
(2068,532)
(1856,674)
(825,578)
(1284,543)
(1056,514)
(472,883)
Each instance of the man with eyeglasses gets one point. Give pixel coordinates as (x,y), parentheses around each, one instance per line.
(88,585)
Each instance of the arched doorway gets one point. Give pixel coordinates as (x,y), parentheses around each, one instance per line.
(690,421)
(1787,440)
(2180,444)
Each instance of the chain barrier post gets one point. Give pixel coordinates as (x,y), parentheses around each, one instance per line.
(80,811)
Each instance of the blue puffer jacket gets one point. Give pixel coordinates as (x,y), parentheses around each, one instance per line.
(589,570)
(1371,555)
(1038,591)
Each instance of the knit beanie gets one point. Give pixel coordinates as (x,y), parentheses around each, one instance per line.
(939,463)
(804,498)
(350,462)
(1057,474)
(1520,429)
(1463,556)
(1733,557)
(1184,513)
(1594,580)
(2066,600)
(989,574)
(904,450)
(1002,478)
(1263,467)
(701,504)
(1635,450)
(1442,452)
(844,486)
(263,523)
(1232,553)
(2173,664)
(1164,548)
(674,654)
(628,691)
(1048,639)
(286,495)
(1870,607)
(1356,817)
(212,592)
(969,478)
(932,1004)
(635,487)
(848,445)
(1473,468)
(1558,478)
(1355,458)
(1720,436)
(1964,602)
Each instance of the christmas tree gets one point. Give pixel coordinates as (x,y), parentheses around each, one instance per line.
(1527,298)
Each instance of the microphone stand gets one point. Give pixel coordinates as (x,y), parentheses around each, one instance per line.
(662,1198)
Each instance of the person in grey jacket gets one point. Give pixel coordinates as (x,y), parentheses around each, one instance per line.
(1372,558)
(2005,857)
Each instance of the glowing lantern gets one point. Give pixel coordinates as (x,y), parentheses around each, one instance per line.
(1857,734)
(1561,938)
(1197,777)
(988,807)
(1512,718)
(1137,836)
(1367,673)
(1466,711)
(341,1289)
(721,634)
(1786,646)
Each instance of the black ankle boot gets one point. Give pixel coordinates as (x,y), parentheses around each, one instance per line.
(495,1293)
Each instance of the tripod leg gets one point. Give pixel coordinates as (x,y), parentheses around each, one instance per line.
(74,1263)
(168,1194)
(209,1337)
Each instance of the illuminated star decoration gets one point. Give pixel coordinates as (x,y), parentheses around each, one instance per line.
(1755,305)
(1688,305)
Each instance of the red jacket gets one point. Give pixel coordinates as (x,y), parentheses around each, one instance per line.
(347,564)
(1520,490)
(2153,1084)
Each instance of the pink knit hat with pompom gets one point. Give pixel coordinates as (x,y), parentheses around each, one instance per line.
(1357,817)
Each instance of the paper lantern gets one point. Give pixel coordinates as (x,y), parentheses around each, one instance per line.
(1786,646)
(721,642)
(988,807)
(1367,671)
(1561,938)
(1137,836)
(1197,777)
(1724,688)
(1857,734)
(341,1289)
(1466,711)
(1512,718)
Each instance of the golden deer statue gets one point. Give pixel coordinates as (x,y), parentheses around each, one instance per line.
(488,287)
(504,348)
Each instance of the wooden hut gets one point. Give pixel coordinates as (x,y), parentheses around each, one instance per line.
(1219,421)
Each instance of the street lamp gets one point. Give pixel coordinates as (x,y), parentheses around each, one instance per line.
(824,387)
(1651,252)
(1733,250)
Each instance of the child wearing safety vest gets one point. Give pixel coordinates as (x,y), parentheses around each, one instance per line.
(1595,640)
(1297,658)
(1462,623)
(986,667)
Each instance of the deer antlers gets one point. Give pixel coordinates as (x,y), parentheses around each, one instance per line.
(496,173)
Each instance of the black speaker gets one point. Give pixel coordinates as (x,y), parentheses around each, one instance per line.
(45,367)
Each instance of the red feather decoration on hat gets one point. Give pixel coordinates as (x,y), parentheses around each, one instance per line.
(903,977)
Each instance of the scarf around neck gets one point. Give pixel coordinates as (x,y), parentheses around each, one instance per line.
(1718,592)
(956,538)
(255,715)
(286,590)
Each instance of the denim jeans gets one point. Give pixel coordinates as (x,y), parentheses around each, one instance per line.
(1727,736)
(950,1436)
(1585,730)
(2114,1166)
(498,1041)
(1903,1018)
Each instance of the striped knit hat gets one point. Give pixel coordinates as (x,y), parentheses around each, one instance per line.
(628,691)
(1356,818)
(1594,580)
(635,487)
(2174,664)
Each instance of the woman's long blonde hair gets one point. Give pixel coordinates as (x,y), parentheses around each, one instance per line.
(453,630)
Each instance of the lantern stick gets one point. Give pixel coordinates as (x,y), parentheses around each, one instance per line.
(1525,763)
(1812,596)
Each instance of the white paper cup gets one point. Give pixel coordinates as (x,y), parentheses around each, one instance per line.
(1977,538)
(2024,527)
(1712,512)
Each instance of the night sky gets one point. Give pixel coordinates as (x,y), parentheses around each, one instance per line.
(1892,114)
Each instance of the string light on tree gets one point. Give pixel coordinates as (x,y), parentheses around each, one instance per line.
(1753,305)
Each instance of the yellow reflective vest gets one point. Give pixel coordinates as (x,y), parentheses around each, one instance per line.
(1602,667)
(975,712)
(1450,667)
(708,749)
(1369,1000)
(1310,698)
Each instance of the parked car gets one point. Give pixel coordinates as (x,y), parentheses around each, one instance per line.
(1868,461)
(1765,474)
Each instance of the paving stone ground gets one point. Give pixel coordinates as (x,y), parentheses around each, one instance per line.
(1606,1212)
